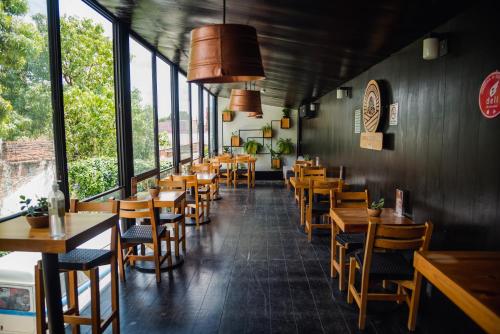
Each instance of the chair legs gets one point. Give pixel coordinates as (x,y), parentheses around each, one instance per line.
(342,265)
(72,315)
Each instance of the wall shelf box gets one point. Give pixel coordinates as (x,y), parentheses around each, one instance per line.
(285,123)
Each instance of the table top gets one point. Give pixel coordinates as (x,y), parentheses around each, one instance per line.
(356,219)
(202,177)
(164,199)
(470,279)
(17,235)
(296,183)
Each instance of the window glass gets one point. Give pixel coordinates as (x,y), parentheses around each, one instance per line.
(17,299)
(164,114)
(27,158)
(213,115)
(185,140)
(195,107)
(89,101)
(143,135)
(206,124)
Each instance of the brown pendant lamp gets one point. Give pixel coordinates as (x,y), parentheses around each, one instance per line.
(246,100)
(223,53)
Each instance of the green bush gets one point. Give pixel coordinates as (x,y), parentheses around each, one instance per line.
(93,176)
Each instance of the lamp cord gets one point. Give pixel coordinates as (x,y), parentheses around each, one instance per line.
(224,12)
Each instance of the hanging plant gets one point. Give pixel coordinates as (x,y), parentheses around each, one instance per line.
(275,158)
(252,147)
(227,115)
(285,146)
(267,131)
(285,120)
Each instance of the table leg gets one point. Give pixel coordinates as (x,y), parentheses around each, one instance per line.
(52,284)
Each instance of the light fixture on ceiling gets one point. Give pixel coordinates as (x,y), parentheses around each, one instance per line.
(247,100)
(222,53)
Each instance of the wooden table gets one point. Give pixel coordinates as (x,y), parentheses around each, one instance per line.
(470,279)
(302,185)
(16,235)
(355,220)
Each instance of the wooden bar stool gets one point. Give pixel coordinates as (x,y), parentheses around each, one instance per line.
(138,235)
(345,241)
(382,260)
(226,172)
(88,260)
(175,218)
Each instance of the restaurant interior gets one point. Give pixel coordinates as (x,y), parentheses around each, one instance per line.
(249,166)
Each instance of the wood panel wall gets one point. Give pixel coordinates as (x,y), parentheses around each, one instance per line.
(443,151)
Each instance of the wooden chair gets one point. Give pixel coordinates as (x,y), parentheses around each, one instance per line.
(226,172)
(296,171)
(134,181)
(316,208)
(88,260)
(193,198)
(215,168)
(137,235)
(204,191)
(175,217)
(382,260)
(242,171)
(345,241)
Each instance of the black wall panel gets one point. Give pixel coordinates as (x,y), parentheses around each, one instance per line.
(443,151)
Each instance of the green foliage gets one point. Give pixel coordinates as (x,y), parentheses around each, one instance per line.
(266,127)
(286,112)
(234,133)
(285,146)
(274,154)
(32,210)
(225,149)
(377,205)
(252,147)
(164,141)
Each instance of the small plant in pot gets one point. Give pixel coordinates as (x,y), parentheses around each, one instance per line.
(285,146)
(36,215)
(225,150)
(235,139)
(275,158)
(285,120)
(154,190)
(227,115)
(252,147)
(267,131)
(375,208)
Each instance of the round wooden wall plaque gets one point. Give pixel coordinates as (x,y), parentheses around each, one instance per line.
(371,106)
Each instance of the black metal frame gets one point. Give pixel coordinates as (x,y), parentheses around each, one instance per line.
(121,55)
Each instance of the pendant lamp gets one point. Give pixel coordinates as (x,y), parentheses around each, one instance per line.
(223,53)
(245,100)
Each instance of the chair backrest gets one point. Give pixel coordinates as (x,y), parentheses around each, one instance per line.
(201,168)
(303,162)
(169,184)
(348,199)
(318,173)
(242,159)
(138,209)
(319,187)
(107,206)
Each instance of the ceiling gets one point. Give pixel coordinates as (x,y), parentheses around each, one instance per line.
(309,47)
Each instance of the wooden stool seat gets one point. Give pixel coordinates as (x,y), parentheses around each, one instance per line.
(84,259)
(141,234)
(167,217)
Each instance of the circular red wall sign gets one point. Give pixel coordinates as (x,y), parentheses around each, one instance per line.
(489,95)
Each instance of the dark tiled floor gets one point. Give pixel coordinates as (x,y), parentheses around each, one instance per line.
(250,271)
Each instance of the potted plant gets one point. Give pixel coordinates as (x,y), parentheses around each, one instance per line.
(154,190)
(36,215)
(235,139)
(267,131)
(375,208)
(225,150)
(275,158)
(227,115)
(285,120)
(307,157)
(285,146)
(252,147)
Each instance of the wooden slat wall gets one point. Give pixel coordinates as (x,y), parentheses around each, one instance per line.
(443,151)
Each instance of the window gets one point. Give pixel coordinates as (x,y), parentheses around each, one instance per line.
(141,85)
(195,91)
(89,101)
(164,114)
(185,140)
(206,124)
(27,158)
(213,116)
